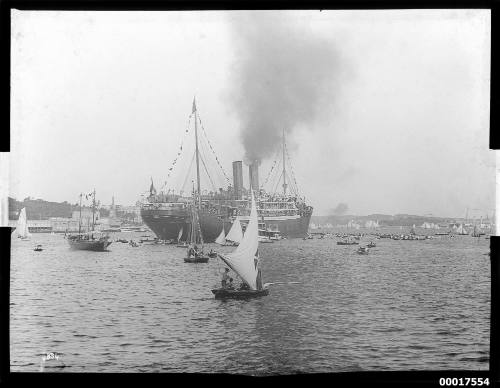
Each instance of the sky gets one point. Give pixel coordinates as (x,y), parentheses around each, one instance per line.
(384,111)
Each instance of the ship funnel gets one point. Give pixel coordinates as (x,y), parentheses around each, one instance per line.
(238,179)
(253,171)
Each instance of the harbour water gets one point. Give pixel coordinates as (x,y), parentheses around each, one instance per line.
(407,305)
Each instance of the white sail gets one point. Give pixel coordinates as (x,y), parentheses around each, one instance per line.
(462,230)
(244,259)
(180,234)
(221,240)
(235,233)
(22,225)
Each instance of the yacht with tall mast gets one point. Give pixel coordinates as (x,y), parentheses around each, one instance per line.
(91,240)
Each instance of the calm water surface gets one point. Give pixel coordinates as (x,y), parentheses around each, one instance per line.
(408,305)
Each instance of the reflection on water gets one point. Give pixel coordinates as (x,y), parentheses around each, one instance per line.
(420,305)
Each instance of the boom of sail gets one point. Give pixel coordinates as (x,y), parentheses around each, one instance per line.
(244,259)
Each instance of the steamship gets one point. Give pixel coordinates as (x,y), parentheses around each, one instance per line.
(168,214)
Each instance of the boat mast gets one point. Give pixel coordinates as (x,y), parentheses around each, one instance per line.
(197,153)
(284,165)
(80,220)
(93,210)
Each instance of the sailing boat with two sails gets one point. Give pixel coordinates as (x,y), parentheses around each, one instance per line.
(22,226)
(244,260)
(91,240)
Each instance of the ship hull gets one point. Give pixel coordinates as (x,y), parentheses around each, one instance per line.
(83,245)
(167,226)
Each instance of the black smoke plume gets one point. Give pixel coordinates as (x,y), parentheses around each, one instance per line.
(282,78)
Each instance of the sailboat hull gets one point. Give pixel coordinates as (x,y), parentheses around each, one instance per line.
(223,293)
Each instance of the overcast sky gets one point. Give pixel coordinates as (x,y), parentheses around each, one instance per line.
(386,111)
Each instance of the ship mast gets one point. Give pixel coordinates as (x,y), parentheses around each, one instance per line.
(93,210)
(80,220)
(284,165)
(197,153)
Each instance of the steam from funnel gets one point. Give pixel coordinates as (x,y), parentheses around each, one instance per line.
(282,78)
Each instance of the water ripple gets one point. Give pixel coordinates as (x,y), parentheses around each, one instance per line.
(409,305)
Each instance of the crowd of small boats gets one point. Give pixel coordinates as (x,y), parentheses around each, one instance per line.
(243,260)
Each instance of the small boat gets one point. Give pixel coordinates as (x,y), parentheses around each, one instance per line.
(244,260)
(212,254)
(148,239)
(347,242)
(222,293)
(235,234)
(195,254)
(371,245)
(363,250)
(38,248)
(91,240)
(122,240)
(221,240)
(22,226)
(133,244)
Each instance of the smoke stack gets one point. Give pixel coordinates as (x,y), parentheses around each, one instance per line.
(253,171)
(238,178)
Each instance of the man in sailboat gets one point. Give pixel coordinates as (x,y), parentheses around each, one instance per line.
(225,278)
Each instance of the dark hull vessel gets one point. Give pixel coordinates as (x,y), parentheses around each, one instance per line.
(167,226)
(196,259)
(223,293)
(89,245)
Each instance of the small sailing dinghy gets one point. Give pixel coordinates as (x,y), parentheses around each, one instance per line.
(461,230)
(38,248)
(22,226)
(195,254)
(178,242)
(244,260)
(221,240)
(362,250)
(235,234)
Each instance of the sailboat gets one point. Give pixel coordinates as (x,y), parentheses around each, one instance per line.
(244,260)
(412,230)
(91,240)
(178,241)
(195,254)
(221,240)
(235,234)
(22,226)
(461,230)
